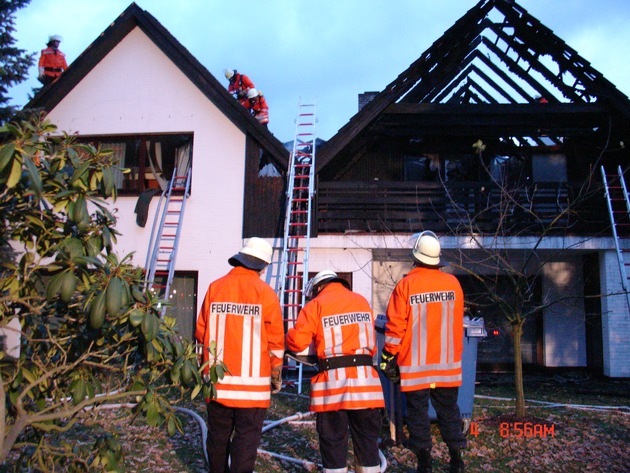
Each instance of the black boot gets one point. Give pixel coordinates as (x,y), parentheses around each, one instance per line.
(457,464)
(424,461)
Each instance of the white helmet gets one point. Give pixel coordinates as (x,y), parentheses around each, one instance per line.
(427,249)
(256,255)
(325,276)
(229,73)
(251,93)
(54,37)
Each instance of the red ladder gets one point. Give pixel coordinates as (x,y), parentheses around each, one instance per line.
(293,274)
(165,234)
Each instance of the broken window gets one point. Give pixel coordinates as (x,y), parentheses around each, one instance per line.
(148,161)
(422,168)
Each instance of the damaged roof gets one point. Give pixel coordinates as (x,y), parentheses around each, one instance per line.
(496,71)
(133,16)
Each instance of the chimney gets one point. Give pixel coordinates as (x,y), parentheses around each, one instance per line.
(365,98)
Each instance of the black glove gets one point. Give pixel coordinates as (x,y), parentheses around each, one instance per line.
(389,367)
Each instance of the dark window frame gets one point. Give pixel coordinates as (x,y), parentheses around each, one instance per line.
(141,176)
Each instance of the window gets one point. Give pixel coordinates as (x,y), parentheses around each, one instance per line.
(183,302)
(549,167)
(498,348)
(422,168)
(508,170)
(149,159)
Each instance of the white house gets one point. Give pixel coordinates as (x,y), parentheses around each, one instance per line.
(137,90)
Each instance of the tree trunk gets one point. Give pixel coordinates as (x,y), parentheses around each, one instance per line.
(517,333)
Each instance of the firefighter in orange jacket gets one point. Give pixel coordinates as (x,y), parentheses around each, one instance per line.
(242,314)
(423,350)
(258,106)
(347,390)
(52,62)
(239,85)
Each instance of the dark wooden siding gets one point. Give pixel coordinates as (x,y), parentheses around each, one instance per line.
(264,198)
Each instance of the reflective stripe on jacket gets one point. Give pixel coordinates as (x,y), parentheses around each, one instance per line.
(425,328)
(53,62)
(341,323)
(242,314)
(260,109)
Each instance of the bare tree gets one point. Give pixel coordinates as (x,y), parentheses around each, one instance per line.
(503,234)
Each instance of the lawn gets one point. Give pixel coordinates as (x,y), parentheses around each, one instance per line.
(551,438)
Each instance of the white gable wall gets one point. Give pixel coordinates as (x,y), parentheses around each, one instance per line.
(137,89)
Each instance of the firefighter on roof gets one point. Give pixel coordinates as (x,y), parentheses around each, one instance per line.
(242,314)
(347,390)
(52,62)
(423,349)
(239,84)
(258,106)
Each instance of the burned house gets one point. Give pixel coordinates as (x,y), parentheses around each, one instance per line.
(494,138)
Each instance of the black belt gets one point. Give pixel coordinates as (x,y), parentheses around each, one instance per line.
(345,361)
(53,69)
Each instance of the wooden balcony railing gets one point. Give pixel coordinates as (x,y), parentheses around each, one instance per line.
(395,207)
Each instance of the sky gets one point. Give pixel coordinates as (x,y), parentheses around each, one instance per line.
(318,51)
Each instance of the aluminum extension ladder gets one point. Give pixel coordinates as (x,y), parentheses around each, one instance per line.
(293,274)
(165,234)
(619,212)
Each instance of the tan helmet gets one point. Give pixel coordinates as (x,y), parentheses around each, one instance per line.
(326,276)
(229,73)
(256,255)
(251,93)
(427,249)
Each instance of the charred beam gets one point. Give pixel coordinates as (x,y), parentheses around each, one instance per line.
(492,119)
